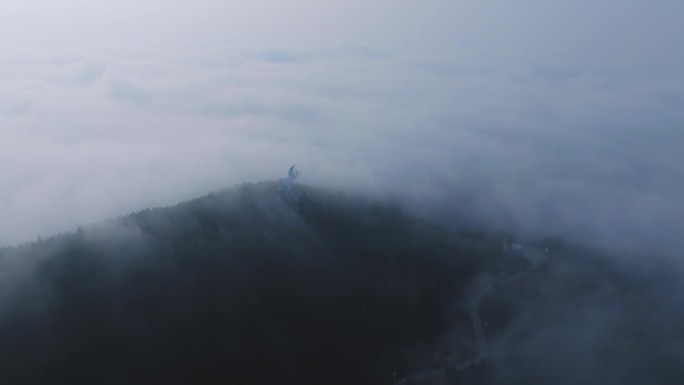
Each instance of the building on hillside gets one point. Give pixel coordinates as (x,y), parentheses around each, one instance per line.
(511,248)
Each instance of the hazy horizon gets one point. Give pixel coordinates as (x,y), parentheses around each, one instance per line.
(544,118)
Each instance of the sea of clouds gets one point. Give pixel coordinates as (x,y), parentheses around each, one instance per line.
(539,118)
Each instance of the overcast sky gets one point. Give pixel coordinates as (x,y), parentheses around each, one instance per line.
(539,116)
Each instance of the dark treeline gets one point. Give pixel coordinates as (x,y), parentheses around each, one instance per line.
(245,287)
(237,287)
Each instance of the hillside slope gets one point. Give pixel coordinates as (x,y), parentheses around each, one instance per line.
(245,287)
(237,287)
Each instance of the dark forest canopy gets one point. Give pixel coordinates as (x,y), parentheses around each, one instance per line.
(246,287)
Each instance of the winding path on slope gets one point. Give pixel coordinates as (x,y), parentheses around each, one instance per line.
(536,258)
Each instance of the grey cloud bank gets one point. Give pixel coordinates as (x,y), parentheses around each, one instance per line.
(543,118)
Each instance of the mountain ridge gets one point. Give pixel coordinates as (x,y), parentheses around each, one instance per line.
(247,286)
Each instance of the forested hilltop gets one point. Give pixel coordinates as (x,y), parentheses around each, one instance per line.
(247,286)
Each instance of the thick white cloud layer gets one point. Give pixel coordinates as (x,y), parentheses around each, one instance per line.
(545,117)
